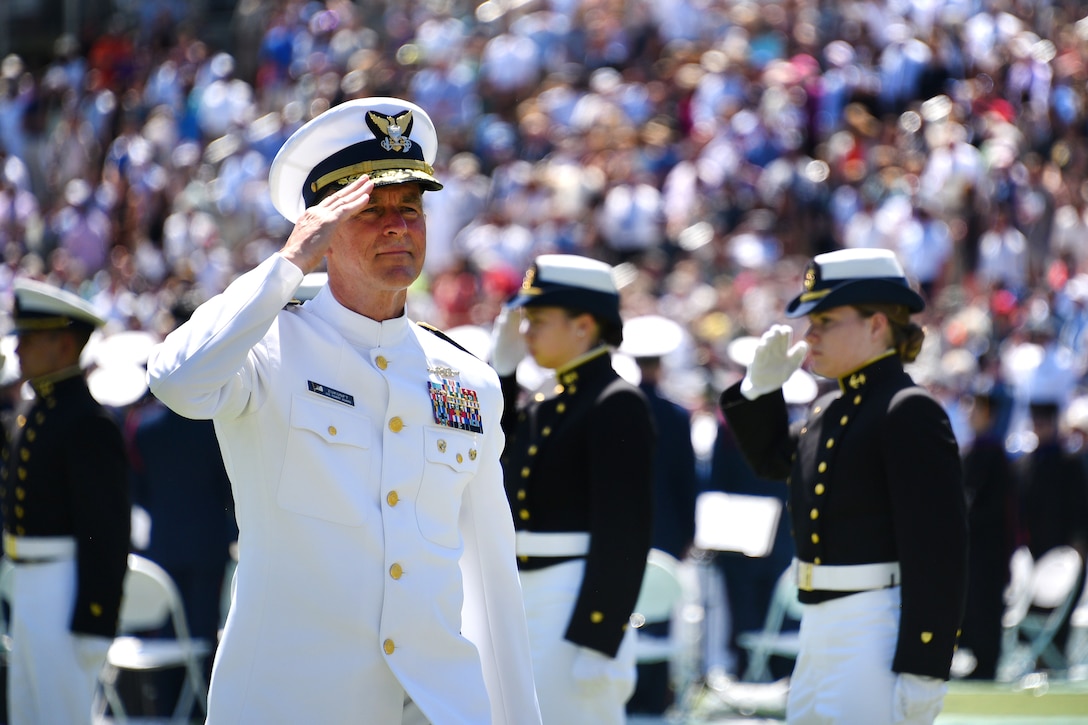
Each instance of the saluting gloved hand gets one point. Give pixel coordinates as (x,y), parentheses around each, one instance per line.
(773,363)
(507,345)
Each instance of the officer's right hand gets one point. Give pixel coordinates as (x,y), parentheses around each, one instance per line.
(314,230)
(507,345)
(773,363)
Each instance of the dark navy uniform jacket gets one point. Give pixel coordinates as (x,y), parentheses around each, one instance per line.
(874,476)
(66,474)
(675,483)
(581,460)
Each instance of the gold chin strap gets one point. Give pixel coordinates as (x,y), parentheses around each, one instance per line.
(350,173)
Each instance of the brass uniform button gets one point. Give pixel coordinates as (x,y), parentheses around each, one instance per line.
(814,514)
(830,442)
(396,424)
(842,420)
(460,458)
(392,498)
(96,609)
(927,637)
(396,571)
(822,468)
(388,646)
(819,489)
(561,408)
(815,538)
(332,430)
(524,514)
(596,617)
(521,494)
(381,362)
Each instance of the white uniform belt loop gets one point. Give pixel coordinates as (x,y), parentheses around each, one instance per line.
(566,543)
(846,578)
(38,548)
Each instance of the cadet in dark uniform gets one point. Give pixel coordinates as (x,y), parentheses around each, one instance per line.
(578,465)
(66,515)
(876,496)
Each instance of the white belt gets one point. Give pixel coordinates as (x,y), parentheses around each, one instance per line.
(567,543)
(848,578)
(38,548)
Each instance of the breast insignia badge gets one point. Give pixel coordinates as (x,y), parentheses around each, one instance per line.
(455,406)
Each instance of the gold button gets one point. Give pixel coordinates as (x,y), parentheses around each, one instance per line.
(524,514)
(525,472)
(460,458)
(596,617)
(817,560)
(332,430)
(395,571)
(819,489)
(547,431)
(472,454)
(815,538)
(814,514)
(532,450)
(22,473)
(24,454)
(842,420)
(441,446)
(830,442)
(804,430)
(392,498)
(21,421)
(20,493)
(561,408)
(396,424)
(572,389)
(927,637)
(31,435)
(857,400)
(19,512)
(381,362)
(558,389)
(388,646)
(521,494)
(96,609)
(523,558)
(822,467)
(539,397)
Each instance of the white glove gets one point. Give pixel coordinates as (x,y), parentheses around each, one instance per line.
(91,651)
(592,670)
(917,695)
(773,362)
(507,345)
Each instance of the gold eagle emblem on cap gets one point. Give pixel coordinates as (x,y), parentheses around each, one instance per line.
(393,128)
(530,277)
(810,277)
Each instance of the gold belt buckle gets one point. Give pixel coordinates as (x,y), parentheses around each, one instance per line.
(804,576)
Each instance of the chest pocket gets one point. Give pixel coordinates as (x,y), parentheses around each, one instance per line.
(452,460)
(327,456)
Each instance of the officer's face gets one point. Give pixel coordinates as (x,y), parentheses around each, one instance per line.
(841,340)
(383,246)
(554,337)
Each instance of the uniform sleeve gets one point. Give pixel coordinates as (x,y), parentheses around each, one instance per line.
(930,520)
(494,612)
(98,468)
(761,427)
(621,495)
(207,367)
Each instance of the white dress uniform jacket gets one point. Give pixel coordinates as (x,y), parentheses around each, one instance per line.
(376,545)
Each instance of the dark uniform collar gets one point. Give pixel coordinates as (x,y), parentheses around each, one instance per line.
(46,384)
(876,369)
(570,372)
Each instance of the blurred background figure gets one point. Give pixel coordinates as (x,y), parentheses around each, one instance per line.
(650,339)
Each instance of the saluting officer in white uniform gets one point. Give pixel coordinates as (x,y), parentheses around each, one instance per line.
(876,496)
(64,485)
(376,579)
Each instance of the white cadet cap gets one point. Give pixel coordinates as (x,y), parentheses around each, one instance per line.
(854,277)
(41,306)
(649,336)
(390,140)
(571,282)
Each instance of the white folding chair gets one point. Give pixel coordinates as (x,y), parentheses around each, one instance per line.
(1030,632)
(773,640)
(150,602)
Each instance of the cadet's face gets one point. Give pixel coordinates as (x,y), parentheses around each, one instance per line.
(38,352)
(552,336)
(383,246)
(840,341)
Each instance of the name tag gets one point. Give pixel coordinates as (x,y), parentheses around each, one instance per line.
(332,393)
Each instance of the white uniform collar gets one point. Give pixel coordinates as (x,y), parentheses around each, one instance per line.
(362,332)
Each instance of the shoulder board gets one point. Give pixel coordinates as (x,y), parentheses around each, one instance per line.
(438,333)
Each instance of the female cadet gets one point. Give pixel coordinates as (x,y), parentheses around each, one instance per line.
(876,496)
(578,470)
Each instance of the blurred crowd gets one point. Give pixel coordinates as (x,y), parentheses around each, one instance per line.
(708,147)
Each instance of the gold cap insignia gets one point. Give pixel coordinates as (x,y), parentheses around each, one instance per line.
(395,129)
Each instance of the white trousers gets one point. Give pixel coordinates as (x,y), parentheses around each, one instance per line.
(843,675)
(51,672)
(550,595)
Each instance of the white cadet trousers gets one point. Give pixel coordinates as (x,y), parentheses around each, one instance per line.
(843,674)
(51,672)
(550,596)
